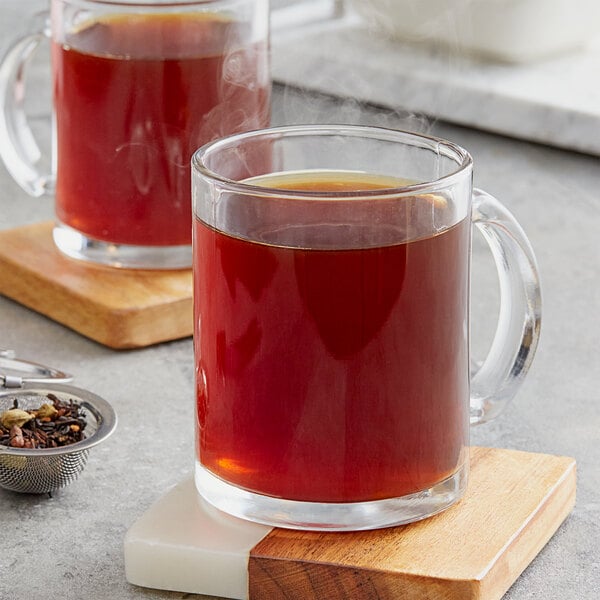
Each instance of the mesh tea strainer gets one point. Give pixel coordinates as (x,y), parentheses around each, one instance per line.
(44,470)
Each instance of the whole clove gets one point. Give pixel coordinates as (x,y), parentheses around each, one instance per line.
(52,425)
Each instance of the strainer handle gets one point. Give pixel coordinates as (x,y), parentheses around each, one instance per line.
(23,371)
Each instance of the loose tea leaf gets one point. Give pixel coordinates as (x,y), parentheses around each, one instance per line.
(49,426)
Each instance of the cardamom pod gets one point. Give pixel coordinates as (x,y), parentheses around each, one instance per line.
(14,416)
(46,411)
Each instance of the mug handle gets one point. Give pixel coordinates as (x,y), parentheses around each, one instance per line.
(496,381)
(18,147)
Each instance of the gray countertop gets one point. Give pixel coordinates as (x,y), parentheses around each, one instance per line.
(70,546)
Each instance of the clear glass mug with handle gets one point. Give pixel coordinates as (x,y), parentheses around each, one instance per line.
(331,269)
(137,86)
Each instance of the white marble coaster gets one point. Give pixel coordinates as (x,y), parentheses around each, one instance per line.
(556,101)
(183,544)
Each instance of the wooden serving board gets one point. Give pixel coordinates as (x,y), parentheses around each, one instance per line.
(473,551)
(120,308)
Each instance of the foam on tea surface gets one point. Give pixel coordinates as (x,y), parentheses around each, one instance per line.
(331,212)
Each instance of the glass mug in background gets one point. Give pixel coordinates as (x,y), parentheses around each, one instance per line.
(331,269)
(137,87)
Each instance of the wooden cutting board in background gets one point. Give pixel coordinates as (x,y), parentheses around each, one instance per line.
(120,308)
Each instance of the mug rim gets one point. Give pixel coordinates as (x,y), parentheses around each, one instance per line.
(464,160)
(149,3)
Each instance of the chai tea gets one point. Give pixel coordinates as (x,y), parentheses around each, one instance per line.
(328,369)
(134,97)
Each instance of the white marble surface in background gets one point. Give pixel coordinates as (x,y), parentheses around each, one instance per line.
(555,101)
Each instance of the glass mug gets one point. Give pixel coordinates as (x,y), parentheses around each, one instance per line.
(137,87)
(331,269)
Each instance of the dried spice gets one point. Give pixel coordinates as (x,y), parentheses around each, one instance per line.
(52,425)
(14,416)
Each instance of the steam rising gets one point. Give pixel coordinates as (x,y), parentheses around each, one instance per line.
(351,66)
(296,106)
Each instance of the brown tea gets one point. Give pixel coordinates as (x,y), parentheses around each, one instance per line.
(135,96)
(337,374)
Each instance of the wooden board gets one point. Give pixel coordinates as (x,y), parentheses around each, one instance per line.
(475,550)
(117,307)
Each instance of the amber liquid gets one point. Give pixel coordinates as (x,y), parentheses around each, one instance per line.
(134,97)
(333,375)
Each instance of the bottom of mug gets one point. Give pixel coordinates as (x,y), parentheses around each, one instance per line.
(126,256)
(330,516)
